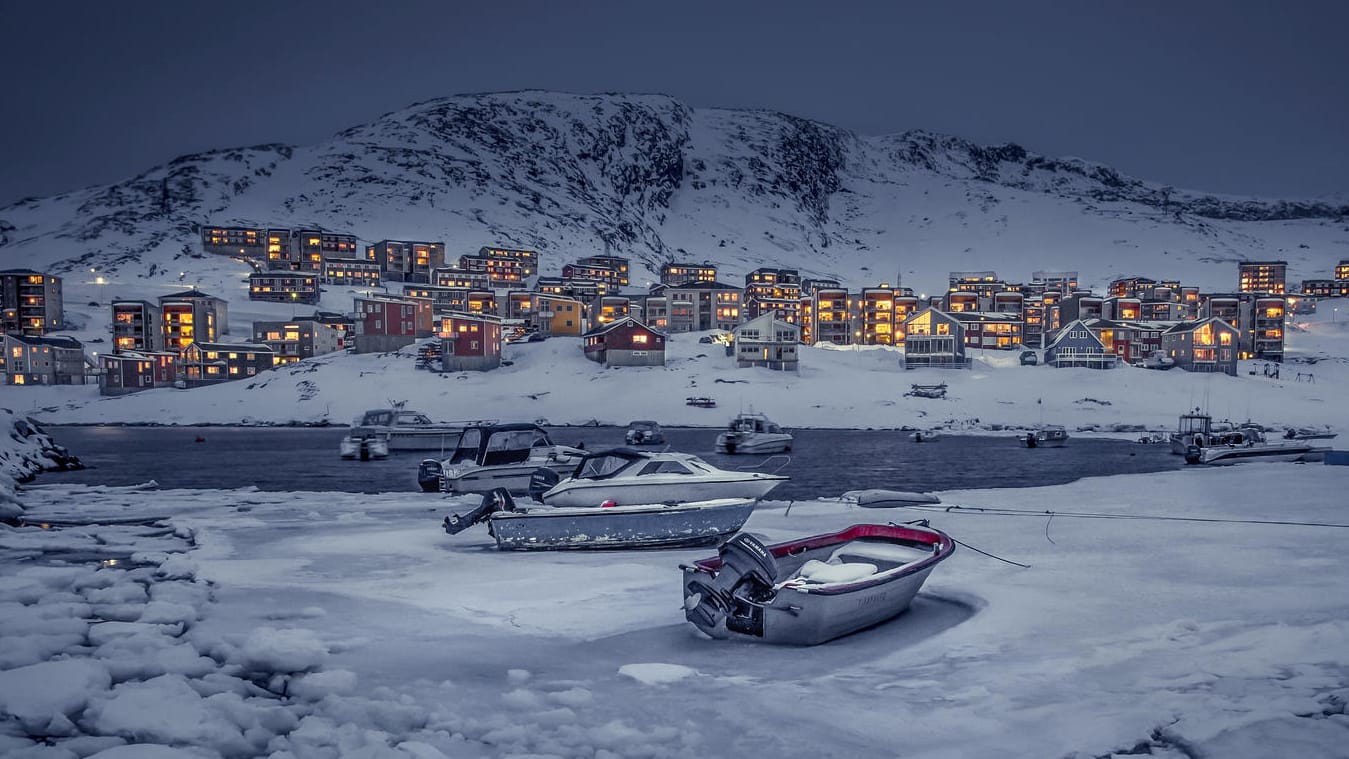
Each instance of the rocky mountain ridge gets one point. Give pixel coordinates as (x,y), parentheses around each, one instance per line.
(652,178)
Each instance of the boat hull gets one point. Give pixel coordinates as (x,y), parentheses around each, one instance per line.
(645,526)
(802,619)
(580,493)
(807,616)
(512,477)
(363,448)
(424,440)
(1267,452)
(754,443)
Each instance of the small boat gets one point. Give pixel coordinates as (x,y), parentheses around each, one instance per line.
(1309,433)
(1048,436)
(925,436)
(406,430)
(700,402)
(492,456)
(625,476)
(878,498)
(644,432)
(1197,429)
(1249,444)
(753,433)
(814,589)
(363,446)
(535,526)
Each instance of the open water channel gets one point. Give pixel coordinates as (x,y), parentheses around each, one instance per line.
(822,463)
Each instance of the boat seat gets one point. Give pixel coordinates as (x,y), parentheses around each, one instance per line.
(817,571)
(889,554)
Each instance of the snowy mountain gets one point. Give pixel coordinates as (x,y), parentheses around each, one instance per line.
(652,178)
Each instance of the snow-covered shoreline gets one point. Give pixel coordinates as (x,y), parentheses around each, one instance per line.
(297,625)
(835,389)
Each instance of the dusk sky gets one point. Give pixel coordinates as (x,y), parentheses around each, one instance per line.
(1230,97)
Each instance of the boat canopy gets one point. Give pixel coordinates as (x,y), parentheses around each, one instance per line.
(753,423)
(490,445)
(643,424)
(602,465)
(386,417)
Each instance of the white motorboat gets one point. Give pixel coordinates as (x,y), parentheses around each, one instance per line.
(753,433)
(925,436)
(1249,444)
(1198,429)
(625,476)
(410,430)
(1047,436)
(1310,433)
(495,456)
(644,432)
(363,446)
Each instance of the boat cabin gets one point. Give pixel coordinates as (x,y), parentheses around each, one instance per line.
(602,465)
(386,417)
(753,423)
(490,445)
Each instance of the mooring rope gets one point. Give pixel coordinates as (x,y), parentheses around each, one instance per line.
(1005,511)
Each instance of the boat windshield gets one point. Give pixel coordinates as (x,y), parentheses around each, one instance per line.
(412,419)
(377,418)
(513,446)
(600,467)
(643,426)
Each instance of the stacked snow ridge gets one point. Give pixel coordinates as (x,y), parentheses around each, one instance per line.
(25,450)
(107,651)
(639,175)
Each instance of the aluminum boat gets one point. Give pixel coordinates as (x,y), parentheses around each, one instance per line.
(811,590)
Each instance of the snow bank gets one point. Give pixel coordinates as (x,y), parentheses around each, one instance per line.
(25,450)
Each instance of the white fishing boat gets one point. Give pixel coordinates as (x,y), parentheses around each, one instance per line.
(753,433)
(626,476)
(495,456)
(1248,443)
(644,432)
(406,430)
(1046,436)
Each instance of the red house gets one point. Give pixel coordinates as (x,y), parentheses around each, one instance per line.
(384,324)
(130,371)
(625,342)
(470,342)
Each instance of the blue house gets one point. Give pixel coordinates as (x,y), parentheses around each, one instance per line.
(1076,345)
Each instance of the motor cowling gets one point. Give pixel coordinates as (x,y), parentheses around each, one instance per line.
(747,574)
(1193,454)
(429,474)
(541,481)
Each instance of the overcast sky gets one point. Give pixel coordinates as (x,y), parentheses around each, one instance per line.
(1234,97)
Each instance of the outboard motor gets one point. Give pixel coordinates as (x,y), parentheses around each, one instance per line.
(428,475)
(497,500)
(542,481)
(732,439)
(1193,454)
(729,601)
(1031,442)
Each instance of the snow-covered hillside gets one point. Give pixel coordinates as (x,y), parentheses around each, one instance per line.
(652,178)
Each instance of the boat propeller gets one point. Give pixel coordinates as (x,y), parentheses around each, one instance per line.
(497,500)
(747,569)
